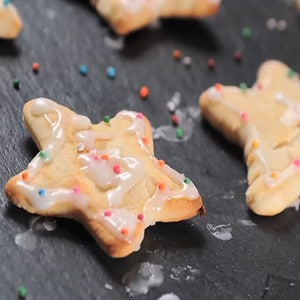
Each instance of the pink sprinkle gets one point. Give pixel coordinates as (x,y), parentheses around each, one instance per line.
(117,169)
(259,86)
(175,120)
(76,189)
(96,157)
(244,116)
(140,116)
(297,163)
(107,213)
(140,217)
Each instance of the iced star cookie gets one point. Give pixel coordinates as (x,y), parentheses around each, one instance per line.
(126,16)
(10,21)
(265,121)
(104,176)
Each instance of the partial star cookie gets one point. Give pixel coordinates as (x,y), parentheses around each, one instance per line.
(104,176)
(126,16)
(10,21)
(298,5)
(265,121)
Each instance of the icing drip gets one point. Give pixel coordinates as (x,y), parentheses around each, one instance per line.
(290,118)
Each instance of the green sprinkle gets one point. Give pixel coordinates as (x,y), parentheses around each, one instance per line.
(16,83)
(43,154)
(106,119)
(22,292)
(179,133)
(291,73)
(246,32)
(186,180)
(243,87)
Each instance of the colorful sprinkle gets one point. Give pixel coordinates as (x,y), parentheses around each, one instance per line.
(140,116)
(255,144)
(281,25)
(22,292)
(104,157)
(187,61)
(243,87)
(25,176)
(175,120)
(218,87)
(43,154)
(171,106)
(111,72)
(140,217)
(246,32)
(211,63)
(107,213)
(271,23)
(83,70)
(176,54)
(96,157)
(117,168)
(35,67)
(124,231)
(16,84)
(144,92)
(291,73)
(76,189)
(161,163)
(179,133)
(186,180)
(42,192)
(244,116)
(145,140)
(162,186)
(259,86)
(297,163)
(238,56)
(6,2)
(106,119)
(274,175)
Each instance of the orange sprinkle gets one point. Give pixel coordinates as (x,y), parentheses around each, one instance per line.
(218,86)
(255,144)
(104,157)
(177,54)
(161,163)
(274,175)
(25,175)
(144,92)
(124,231)
(35,67)
(145,140)
(162,186)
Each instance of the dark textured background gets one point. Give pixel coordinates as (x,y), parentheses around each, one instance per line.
(67,264)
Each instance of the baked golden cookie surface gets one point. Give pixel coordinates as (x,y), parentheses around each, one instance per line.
(265,121)
(104,176)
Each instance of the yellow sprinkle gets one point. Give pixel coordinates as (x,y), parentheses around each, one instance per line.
(274,175)
(255,144)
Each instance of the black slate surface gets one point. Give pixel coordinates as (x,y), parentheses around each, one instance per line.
(260,261)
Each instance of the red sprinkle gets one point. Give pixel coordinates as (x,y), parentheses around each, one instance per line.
(140,217)
(238,56)
(140,116)
(161,163)
(244,116)
(177,54)
(144,92)
(211,63)
(25,176)
(162,186)
(117,169)
(107,213)
(35,67)
(175,120)
(145,140)
(124,231)
(218,86)
(96,157)
(104,157)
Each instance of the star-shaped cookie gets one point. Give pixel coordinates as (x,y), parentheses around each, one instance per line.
(126,16)
(10,21)
(265,121)
(104,176)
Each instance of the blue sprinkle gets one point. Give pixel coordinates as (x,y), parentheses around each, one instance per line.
(111,72)
(6,2)
(83,70)
(42,192)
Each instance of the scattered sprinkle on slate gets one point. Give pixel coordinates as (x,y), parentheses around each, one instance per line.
(22,292)
(35,67)
(246,32)
(271,24)
(144,92)
(179,133)
(83,70)
(187,61)
(111,72)
(238,56)
(281,25)
(177,54)
(211,63)
(16,84)
(175,120)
